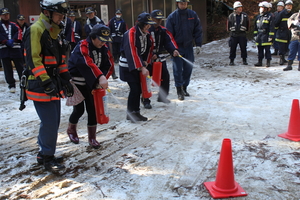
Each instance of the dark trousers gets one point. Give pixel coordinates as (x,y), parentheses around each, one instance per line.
(283,48)
(9,72)
(264,51)
(242,41)
(182,70)
(87,104)
(49,114)
(133,103)
(116,46)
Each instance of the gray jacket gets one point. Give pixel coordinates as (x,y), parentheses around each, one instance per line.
(294,25)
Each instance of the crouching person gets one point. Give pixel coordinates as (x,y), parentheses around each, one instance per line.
(90,65)
(48,79)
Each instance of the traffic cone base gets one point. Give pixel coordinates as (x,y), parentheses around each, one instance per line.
(290,137)
(218,193)
(293,132)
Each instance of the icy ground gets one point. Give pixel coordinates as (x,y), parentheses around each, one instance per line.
(177,150)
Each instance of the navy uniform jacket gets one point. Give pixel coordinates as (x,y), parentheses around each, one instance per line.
(134,51)
(12,31)
(77,32)
(163,40)
(263,29)
(283,34)
(87,63)
(185,26)
(238,27)
(117,29)
(90,23)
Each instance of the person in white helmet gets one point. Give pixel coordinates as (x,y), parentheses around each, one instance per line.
(238,24)
(264,34)
(48,77)
(280,7)
(283,34)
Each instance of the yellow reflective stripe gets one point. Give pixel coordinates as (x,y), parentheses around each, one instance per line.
(271,33)
(276,27)
(279,40)
(255,32)
(266,44)
(284,19)
(266,21)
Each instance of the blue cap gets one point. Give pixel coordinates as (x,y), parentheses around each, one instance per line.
(145,18)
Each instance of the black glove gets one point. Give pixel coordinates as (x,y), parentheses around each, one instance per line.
(50,89)
(68,89)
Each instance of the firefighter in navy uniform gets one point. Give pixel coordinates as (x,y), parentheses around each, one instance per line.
(164,43)
(136,55)
(10,49)
(238,24)
(283,34)
(280,7)
(73,35)
(91,20)
(48,79)
(264,34)
(90,65)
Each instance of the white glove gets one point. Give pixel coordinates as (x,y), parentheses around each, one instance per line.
(270,39)
(255,38)
(197,50)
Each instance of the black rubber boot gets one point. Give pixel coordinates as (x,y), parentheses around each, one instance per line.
(299,66)
(289,66)
(245,61)
(259,63)
(40,158)
(180,93)
(184,89)
(72,133)
(51,164)
(275,53)
(231,62)
(92,137)
(282,60)
(135,116)
(268,63)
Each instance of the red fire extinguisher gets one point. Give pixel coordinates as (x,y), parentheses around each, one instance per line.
(156,73)
(100,102)
(146,86)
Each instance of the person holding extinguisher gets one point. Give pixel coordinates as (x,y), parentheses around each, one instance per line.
(136,55)
(164,43)
(90,65)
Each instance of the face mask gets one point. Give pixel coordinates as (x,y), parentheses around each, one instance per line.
(118,16)
(261,10)
(288,10)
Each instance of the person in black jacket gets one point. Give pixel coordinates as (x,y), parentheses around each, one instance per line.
(91,20)
(238,24)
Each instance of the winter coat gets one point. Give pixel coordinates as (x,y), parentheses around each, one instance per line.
(87,63)
(90,23)
(136,48)
(11,31)
(185,26)
(238,29)
(45,59)
(163,40)
(117,28)
(264,30)
(294,25)
(283,34)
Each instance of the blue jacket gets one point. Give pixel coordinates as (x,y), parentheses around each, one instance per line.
(185,26)
(77,32)
(133,54)
(117,29)
(90,23)
(87,63)
(11,31)
(263,29)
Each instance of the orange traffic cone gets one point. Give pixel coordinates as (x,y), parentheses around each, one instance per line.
(225,186)
(294,125)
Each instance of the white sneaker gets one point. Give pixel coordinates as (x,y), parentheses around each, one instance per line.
(12,90)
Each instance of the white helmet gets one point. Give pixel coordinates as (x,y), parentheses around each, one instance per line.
(60,6)
(237,4)
(270,5)
(289,2)
(280,4)
(263,4)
